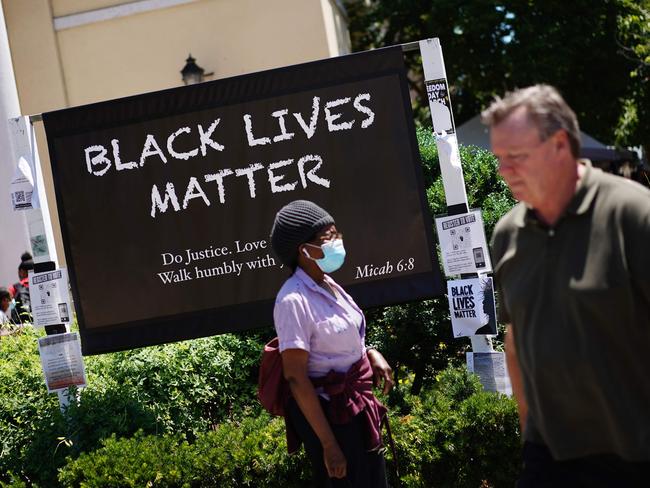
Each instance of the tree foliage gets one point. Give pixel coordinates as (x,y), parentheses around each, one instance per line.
(496,45)
(634,44)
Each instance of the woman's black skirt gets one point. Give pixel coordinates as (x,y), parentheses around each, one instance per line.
(364,469)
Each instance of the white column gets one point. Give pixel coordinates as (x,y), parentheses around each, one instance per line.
(14,233)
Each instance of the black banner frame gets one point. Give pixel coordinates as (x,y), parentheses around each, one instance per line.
(275,82)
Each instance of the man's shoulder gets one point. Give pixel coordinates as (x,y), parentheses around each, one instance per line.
(510,221)
(622,187)
(618,193)
(505,230)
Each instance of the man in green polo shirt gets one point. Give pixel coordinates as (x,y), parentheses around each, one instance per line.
(572,267)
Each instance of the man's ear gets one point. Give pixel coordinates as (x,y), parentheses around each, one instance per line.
(561,141)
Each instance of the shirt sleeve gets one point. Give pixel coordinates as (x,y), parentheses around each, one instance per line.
(291,323)
(637,237)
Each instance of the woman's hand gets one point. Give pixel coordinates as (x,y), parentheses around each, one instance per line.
(334,461)
(381,370)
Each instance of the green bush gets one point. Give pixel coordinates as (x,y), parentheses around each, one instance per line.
(186,388)
(142,460)
(251,452)
(30,419)
(122,434)
(454,435)
(189,386)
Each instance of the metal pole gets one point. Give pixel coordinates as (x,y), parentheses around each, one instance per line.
(448,154)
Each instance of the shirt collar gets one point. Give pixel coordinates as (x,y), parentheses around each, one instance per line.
(586,191)
(310,283)
(304,277)
(579,203)
(315,287)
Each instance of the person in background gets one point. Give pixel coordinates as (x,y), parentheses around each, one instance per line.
(571,263)
(8,313)
(330,372)
(20,290)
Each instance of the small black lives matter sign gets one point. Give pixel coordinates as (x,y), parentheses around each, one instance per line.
(166,199)
(472,306)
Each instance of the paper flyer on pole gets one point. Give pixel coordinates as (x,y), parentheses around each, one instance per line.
(438,95)
(463,244)
(62,361)
(472,306)
(50,297)
(492,370)
(22,186)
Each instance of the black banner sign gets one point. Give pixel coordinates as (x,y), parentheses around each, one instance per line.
(166,199)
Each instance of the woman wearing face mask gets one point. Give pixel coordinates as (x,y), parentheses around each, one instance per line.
(321,331)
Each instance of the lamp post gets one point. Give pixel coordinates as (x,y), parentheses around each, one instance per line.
(192,73)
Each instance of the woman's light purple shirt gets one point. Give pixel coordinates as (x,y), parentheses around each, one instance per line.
(307,317)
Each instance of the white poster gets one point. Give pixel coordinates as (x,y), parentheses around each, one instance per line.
(463,244)
(492,370)
(62,361)
(471,305)
(50,298)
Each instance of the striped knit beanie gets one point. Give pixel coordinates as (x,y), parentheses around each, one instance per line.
(295,224)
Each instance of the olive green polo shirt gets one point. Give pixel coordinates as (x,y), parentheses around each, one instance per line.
(578,298)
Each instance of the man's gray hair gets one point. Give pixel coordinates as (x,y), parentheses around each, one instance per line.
(546,109)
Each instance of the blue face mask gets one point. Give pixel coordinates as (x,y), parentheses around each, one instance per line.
(333,255)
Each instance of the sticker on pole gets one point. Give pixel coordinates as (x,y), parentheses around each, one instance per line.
(22,186)
(62,361)
(463,244)
(49,297)
(471,305)
(491,369)
(440,105)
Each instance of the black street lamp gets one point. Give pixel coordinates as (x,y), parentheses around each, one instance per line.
(192,73)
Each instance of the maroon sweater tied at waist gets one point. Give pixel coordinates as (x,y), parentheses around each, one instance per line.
(350,395)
